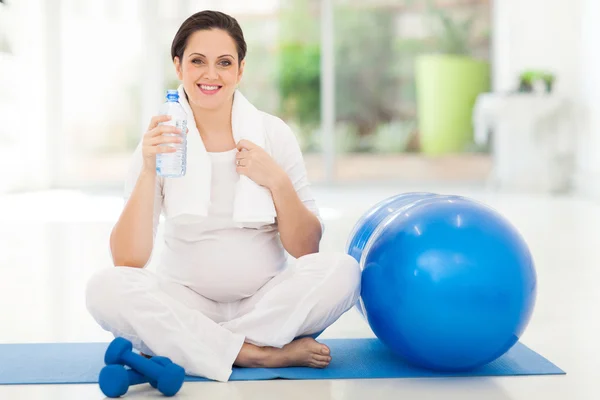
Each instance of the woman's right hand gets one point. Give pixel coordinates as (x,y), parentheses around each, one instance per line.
(154,137)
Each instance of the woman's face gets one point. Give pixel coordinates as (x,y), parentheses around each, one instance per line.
(209,69)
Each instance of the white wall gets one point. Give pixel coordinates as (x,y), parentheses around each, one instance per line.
(587,179)
(541,34)
(28,79)
(561,36)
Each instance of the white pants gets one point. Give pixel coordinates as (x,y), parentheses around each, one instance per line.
(204,337)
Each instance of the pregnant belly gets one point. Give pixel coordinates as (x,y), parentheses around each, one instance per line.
(224,267)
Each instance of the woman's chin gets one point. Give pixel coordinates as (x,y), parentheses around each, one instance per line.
(207,104)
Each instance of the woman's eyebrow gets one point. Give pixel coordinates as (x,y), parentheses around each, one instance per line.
(200,54)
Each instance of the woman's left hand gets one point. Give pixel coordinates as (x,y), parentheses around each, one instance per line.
(254,162)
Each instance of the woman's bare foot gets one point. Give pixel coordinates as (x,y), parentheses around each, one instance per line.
(305,352)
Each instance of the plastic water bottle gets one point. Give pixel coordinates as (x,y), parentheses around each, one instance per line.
(172,165)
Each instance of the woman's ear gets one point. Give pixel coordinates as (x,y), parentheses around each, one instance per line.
(241,71)
(178,68)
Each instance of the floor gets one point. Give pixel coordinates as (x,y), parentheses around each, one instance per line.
(51,242)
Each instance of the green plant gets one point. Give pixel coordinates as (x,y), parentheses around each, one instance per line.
(374,69)
(366,75)
(527,79)
(394,136)
(365,68)
(452,35)
(346,136)
(299,82)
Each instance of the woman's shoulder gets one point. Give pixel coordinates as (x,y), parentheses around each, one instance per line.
(276,129)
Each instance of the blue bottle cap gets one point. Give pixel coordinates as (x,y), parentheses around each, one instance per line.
(172,95)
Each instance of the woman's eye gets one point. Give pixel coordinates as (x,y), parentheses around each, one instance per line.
(196,61)
(225,63)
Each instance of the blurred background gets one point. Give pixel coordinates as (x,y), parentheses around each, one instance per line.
(500,94)
(498,100)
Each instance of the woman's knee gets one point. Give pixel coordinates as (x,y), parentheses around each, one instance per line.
(338,268)
(348,274)
(106,290)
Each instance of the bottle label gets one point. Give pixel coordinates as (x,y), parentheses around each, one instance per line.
(181,124)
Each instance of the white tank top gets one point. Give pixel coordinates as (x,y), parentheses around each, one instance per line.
(214,257)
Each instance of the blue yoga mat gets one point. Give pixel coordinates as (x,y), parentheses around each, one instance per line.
(352,359)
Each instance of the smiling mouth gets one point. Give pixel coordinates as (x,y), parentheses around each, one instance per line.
(209,89)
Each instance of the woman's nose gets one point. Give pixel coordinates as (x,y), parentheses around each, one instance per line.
(211,73)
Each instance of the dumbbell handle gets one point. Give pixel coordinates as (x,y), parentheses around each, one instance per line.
(143,365)
(167,379)
(136,377)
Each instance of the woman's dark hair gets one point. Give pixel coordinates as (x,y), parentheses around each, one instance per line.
(206,20)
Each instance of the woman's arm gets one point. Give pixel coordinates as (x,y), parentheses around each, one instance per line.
(299,229)
(132,238)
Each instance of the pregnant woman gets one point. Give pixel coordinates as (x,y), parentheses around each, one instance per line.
(224,292)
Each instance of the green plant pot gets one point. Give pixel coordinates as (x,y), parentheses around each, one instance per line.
(447,87)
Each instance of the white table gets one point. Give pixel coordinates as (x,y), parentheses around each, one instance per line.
(532,139)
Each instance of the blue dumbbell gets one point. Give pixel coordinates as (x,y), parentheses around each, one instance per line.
(115,379)
(168,378)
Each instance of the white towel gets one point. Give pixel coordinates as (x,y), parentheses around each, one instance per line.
(190,195)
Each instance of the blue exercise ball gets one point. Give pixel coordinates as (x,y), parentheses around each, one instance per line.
(371,219)
(448,283)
